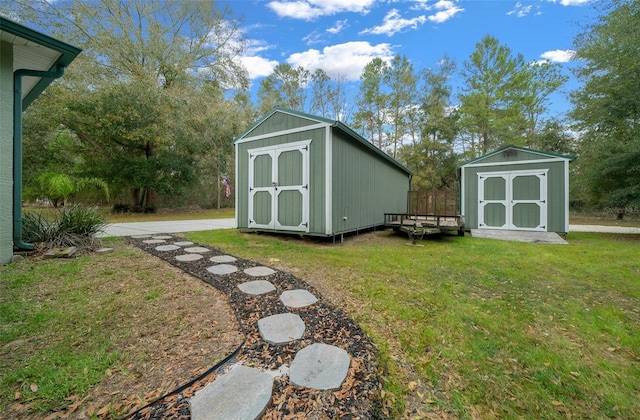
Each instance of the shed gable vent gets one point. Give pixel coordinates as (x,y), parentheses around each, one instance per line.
(510,153)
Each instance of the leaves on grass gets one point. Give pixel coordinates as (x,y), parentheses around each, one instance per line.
(359,393)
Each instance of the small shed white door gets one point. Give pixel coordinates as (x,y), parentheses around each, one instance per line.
(279,187)
(514,200)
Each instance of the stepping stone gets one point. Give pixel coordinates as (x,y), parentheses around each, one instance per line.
(154,241)
(222,259)
(259,271)
(241,393)
(320,366)
(197,249)
(61,252)
(281,328)
(105,250)
(298,298)
(189,257)
(222,269)
(167,247)
(162,237)
(183,243)
(140,236)
(258,287)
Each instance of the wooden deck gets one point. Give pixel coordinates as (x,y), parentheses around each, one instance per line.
(416,226)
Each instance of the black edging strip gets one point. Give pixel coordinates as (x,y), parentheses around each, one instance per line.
(209,371)
(188,384)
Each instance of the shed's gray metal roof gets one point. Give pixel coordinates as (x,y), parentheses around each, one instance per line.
(351,134)
(523,149)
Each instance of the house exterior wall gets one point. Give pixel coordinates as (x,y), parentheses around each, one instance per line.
(6,152)
(557,184)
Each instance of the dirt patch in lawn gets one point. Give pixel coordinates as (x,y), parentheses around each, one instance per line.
(170,328)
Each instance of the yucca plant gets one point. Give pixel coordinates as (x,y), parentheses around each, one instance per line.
(36,227)
(73,225)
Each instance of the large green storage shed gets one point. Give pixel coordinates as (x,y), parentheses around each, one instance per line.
(516,188)
(313,176)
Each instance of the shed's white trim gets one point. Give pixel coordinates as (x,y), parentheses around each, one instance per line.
(509,202)
(282,133)
(518,162)
(328,181)
(566,196)
(237,190)
(462,194)
(274,151)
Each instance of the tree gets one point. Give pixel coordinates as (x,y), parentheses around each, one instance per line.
(440,127)
(539,81)
(432,155)
(554,137)
(286,86)
(492,78)
(128,102)
(372,103)
(322,93)
(60,187)
(130,138)
(607,107)
(170,42)
(400,81)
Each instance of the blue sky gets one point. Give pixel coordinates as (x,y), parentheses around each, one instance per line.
(341,36)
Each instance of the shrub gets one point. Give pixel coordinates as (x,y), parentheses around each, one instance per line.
(72,226)
(121,208)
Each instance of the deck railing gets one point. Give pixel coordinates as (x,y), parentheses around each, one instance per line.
(433,202)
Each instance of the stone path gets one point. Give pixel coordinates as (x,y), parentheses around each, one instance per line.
(300,345)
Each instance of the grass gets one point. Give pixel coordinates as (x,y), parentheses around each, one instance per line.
(466,327)
(73,347)
(102,333)
(478,328)
(170,214)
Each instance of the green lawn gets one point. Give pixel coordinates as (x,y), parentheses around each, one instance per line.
(480,328)
(466,327)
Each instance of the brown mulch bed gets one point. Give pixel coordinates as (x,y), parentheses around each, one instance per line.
(359,395)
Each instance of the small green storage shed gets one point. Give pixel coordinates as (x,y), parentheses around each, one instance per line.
(516,188)
(309,175)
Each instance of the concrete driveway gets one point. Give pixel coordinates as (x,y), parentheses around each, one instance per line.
(604,229)
(174,226)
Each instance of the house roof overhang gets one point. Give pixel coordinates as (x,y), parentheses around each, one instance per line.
(33,50)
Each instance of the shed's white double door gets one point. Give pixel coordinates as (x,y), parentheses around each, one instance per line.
(514,200)
(279,187)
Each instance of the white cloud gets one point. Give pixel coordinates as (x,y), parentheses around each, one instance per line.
(343,60)
(311,9)
(313,38)
(573,2)
(258,66)
(446,10)
(393,23)
(558,56)
(520,10)
(338,27)
(256,46)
